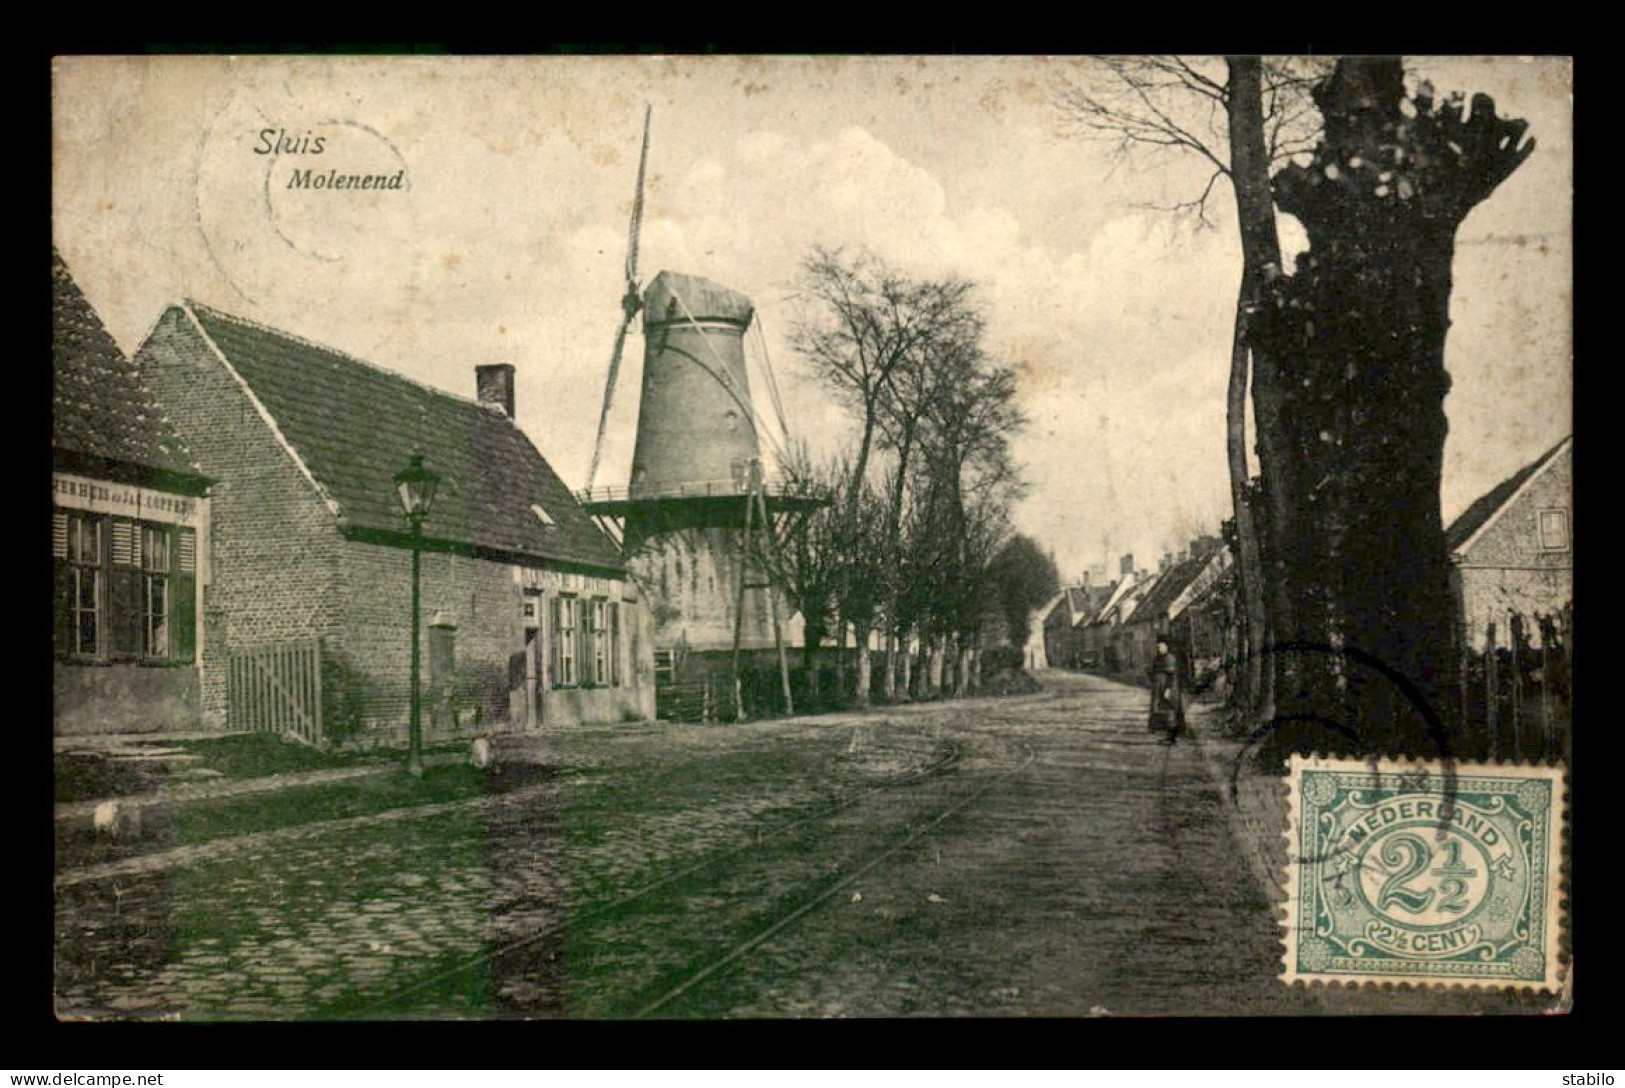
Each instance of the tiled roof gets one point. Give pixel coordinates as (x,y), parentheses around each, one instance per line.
(1174,581)
(99,405)
(355,425)
(1473,518)
(1088,601)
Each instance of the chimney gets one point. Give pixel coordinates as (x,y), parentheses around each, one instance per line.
(493,385)
(1167,561)
(1085,582)
(1126,564)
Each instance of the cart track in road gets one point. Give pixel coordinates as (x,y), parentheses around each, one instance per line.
(397,1001)
(749,945)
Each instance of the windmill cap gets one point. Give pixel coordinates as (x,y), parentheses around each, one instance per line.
(700,298)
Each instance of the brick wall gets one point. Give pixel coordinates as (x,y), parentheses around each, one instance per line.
(369,672)
(273,542)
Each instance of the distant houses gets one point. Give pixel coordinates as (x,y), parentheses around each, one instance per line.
(1184,605)
(1063,622)
(1114,627)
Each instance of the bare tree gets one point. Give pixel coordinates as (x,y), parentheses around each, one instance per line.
(969,487)
(927,374)
(867,322)
(1238,117)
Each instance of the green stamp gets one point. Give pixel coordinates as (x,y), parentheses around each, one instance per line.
(1424,873)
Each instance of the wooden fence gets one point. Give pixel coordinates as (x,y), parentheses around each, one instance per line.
(277,689)
(1516,695)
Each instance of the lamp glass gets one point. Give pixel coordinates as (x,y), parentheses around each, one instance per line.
(415,486)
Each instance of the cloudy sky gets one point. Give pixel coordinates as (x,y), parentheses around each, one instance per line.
(508,241)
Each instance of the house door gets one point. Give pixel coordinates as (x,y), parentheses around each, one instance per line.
(532,685)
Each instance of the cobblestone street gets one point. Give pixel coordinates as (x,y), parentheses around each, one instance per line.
(1038,855)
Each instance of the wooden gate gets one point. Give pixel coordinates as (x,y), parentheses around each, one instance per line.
(277,689)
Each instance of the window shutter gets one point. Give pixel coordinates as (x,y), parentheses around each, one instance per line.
(553,641)
(186,546)
(59,534)
(183,596)
(584,643)
(125,546)
(62,627)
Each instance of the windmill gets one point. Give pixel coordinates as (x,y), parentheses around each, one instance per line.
(697,519)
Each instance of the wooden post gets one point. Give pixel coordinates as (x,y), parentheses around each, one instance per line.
(739,610)
(772,596)
(1546,745)
(1492,667)
(1463,720)
(1515,635)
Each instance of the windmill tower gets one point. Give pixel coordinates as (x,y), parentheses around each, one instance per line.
(696,520)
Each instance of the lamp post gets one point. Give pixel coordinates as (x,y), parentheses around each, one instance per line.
(415,485)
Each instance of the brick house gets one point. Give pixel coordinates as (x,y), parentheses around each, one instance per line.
(1511,552)
(532,619)
(129,536)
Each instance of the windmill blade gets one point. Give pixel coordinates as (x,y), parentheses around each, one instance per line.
(631,303)
(637,205)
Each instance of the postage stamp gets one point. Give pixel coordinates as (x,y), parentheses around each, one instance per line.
(1425,874)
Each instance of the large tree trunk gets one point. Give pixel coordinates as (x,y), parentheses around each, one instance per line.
(1362,421)
(1261,259)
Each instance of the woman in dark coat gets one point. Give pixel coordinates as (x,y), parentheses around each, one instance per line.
(1167,697)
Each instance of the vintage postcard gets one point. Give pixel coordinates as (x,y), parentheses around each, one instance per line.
(701,537)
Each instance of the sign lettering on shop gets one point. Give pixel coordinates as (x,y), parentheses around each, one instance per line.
(566,582)
(126,500)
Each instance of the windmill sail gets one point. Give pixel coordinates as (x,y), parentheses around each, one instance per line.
(631,302)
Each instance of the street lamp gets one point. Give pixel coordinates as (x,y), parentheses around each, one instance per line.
(415,485)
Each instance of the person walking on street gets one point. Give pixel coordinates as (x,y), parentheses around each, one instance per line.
(1167,697)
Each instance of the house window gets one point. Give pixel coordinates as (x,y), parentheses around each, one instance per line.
(615,644)
(1554,530)
(597,655)
(154,591)
(125,590)
(564,614)
(83,552)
